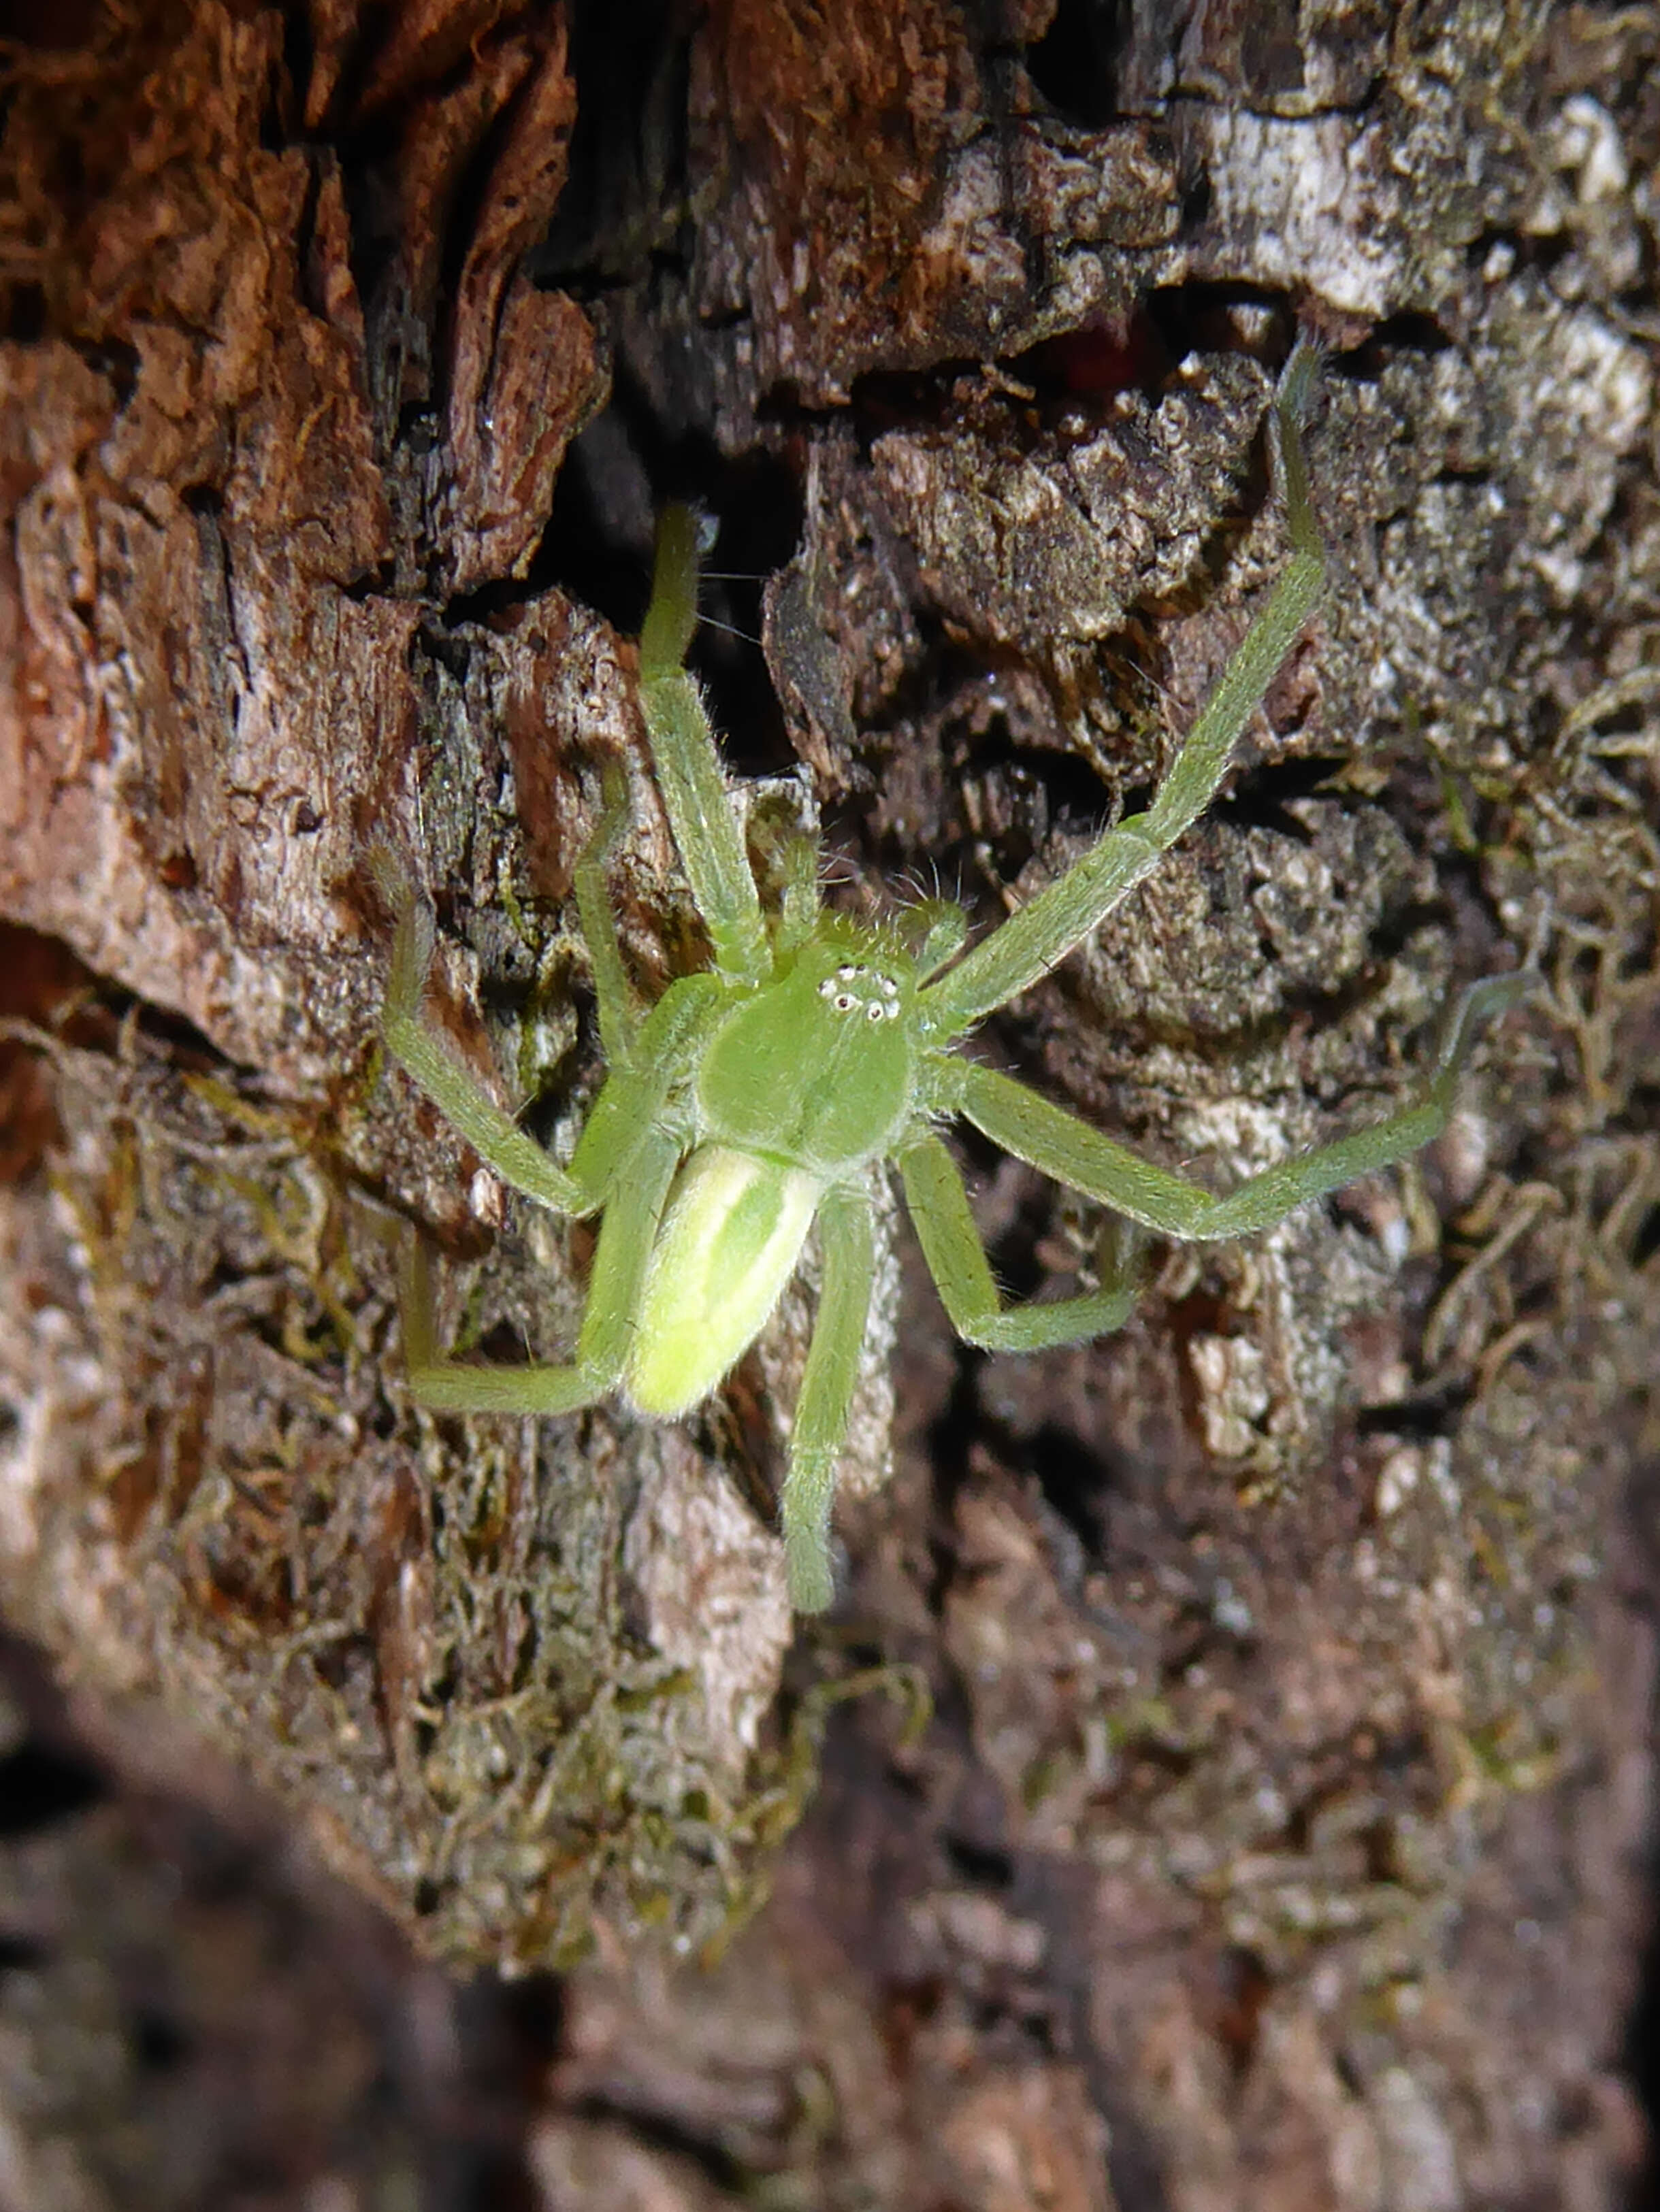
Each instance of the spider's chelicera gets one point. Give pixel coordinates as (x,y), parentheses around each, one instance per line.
(768,1092)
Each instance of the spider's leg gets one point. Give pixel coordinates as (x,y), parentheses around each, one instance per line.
(632,1099)
(688,773)
(619,1268)
(1061,1145)
(453,1089)
(956,1259)
(847,1240)
(667,1043)
(617,1004)
(1031,941)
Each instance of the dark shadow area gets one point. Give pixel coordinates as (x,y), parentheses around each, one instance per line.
(626,170)
(40,1783)
(225,2027)
(1075,63)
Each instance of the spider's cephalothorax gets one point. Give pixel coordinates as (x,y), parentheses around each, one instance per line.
(766,1092)
(805,1082)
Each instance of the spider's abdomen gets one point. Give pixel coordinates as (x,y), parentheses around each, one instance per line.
(728,1243)
(818,1069)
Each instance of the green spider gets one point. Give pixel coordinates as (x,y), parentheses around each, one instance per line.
(767,1092)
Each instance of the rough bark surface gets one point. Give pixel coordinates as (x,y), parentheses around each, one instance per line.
(1227,1780)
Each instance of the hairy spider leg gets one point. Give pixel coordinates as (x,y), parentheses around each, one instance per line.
(707,832)
(630,1101)
(623,1162)
(632,1212)
(847,1244)
(952,1245)
(1043,930)
(453,1089)
(615,1001)
(1048,1138)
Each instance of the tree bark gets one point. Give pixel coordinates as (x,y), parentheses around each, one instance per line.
(1256,1815)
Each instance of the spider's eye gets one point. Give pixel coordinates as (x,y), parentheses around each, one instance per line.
(876,994)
